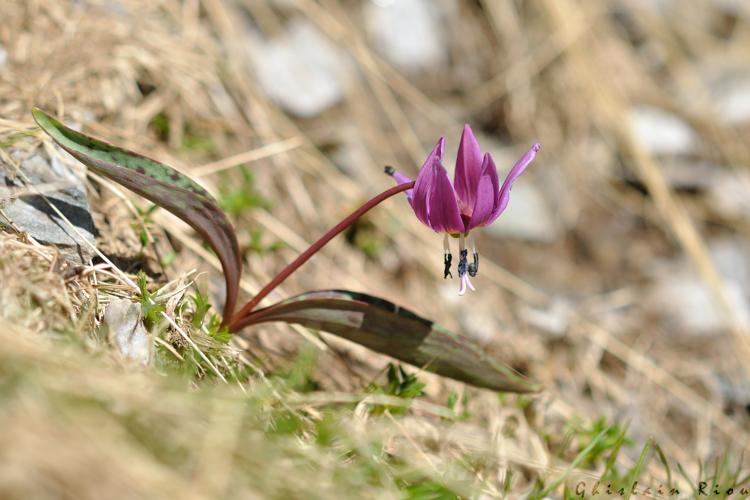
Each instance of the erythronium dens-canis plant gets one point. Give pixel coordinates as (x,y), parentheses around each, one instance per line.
(371,321)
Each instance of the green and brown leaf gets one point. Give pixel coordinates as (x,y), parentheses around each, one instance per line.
(390,329)
(160,184)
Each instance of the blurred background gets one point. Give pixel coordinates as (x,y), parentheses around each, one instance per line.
(618,277)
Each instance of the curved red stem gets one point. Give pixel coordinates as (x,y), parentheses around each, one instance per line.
(312,250)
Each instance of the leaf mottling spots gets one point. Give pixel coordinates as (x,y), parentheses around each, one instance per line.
(162,185)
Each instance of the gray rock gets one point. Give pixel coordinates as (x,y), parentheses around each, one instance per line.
(662,133)
(408,32)
(681,173)
(683,299)
(729,193)
(732,98)
(125,330)
(350,152)
(32,214)
(3,57)
(552,320)
(689,175)
(302,71)
(732,388)
(659,6)
(690,306)
(527,217)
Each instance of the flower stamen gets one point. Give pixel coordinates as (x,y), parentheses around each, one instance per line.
(447,258)
(464,269)
(474,266)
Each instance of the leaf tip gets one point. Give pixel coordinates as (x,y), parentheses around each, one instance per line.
(41,117)
(37,113)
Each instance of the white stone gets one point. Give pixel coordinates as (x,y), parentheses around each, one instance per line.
(409,33)
(729,193)
(3,57)
(659,6)
(662,133)
(480,327)
(302,71)
(126,332)
(689,305)
(552,320)
(735,7)
(732,99)
(351,154)
(526,217)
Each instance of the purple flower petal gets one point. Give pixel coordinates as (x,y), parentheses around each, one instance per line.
(423,183)
(420,198)
(437,152)
(434,199)
(468,170)
(487,195)
(517,170)
(402,179)
(443,206)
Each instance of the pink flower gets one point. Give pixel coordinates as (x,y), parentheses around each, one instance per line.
(474,199)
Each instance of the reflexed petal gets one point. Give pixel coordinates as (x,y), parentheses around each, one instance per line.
(434,200)
(468,170)
(487,195)
(423,184)
(402,179)
(517,170)
(421,194)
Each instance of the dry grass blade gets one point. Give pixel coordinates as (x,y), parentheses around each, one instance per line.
(247,157)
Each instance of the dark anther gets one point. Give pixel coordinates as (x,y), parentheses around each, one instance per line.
(389,170)
(474,266)
(447,262)
(462,260)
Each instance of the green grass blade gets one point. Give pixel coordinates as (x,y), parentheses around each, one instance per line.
(575,463)
(615,452)
(663,459)
(160,184)
(633,476)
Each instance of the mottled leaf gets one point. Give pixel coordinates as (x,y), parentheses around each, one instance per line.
(161,184)
(389,329)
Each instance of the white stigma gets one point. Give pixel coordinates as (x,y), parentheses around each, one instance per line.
(465,282)
(468,282)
